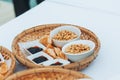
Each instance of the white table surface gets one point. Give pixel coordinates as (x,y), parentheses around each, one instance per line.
(106,6)
(105,25)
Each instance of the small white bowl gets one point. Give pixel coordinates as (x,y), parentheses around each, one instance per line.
(61,43)
(79,56)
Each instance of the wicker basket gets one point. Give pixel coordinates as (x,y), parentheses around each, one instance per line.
(47,74)
(8,55)
(37,31)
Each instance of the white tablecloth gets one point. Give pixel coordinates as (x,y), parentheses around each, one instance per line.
(105,25)
(105,6)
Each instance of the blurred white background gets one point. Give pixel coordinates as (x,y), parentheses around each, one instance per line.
(102,6)
(106,6)
(6,11)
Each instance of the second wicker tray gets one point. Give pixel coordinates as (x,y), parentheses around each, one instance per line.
(37,31)
(7,56)
(47,74)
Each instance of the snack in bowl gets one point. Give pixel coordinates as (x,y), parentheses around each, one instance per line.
(78,50)
(64,34)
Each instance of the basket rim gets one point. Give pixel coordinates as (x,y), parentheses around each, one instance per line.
(13,63)
(41,70)
(87,60)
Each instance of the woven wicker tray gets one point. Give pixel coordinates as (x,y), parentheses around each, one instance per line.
(8,55)
(47,74)
(37,31)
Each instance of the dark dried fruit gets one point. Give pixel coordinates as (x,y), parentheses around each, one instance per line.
(40,59)
(57,63)
(34,49)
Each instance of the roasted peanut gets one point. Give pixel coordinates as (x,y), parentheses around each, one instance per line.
(65,35)
(77,48)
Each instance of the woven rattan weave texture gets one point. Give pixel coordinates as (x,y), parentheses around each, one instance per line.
(38,31)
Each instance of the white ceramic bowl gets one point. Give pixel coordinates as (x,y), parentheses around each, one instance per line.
(61,43)
(79,56)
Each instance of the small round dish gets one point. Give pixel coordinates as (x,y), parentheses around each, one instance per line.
(61,43)
(75,57)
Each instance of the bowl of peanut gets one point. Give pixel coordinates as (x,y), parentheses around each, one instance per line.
(64,34)
(78,50)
